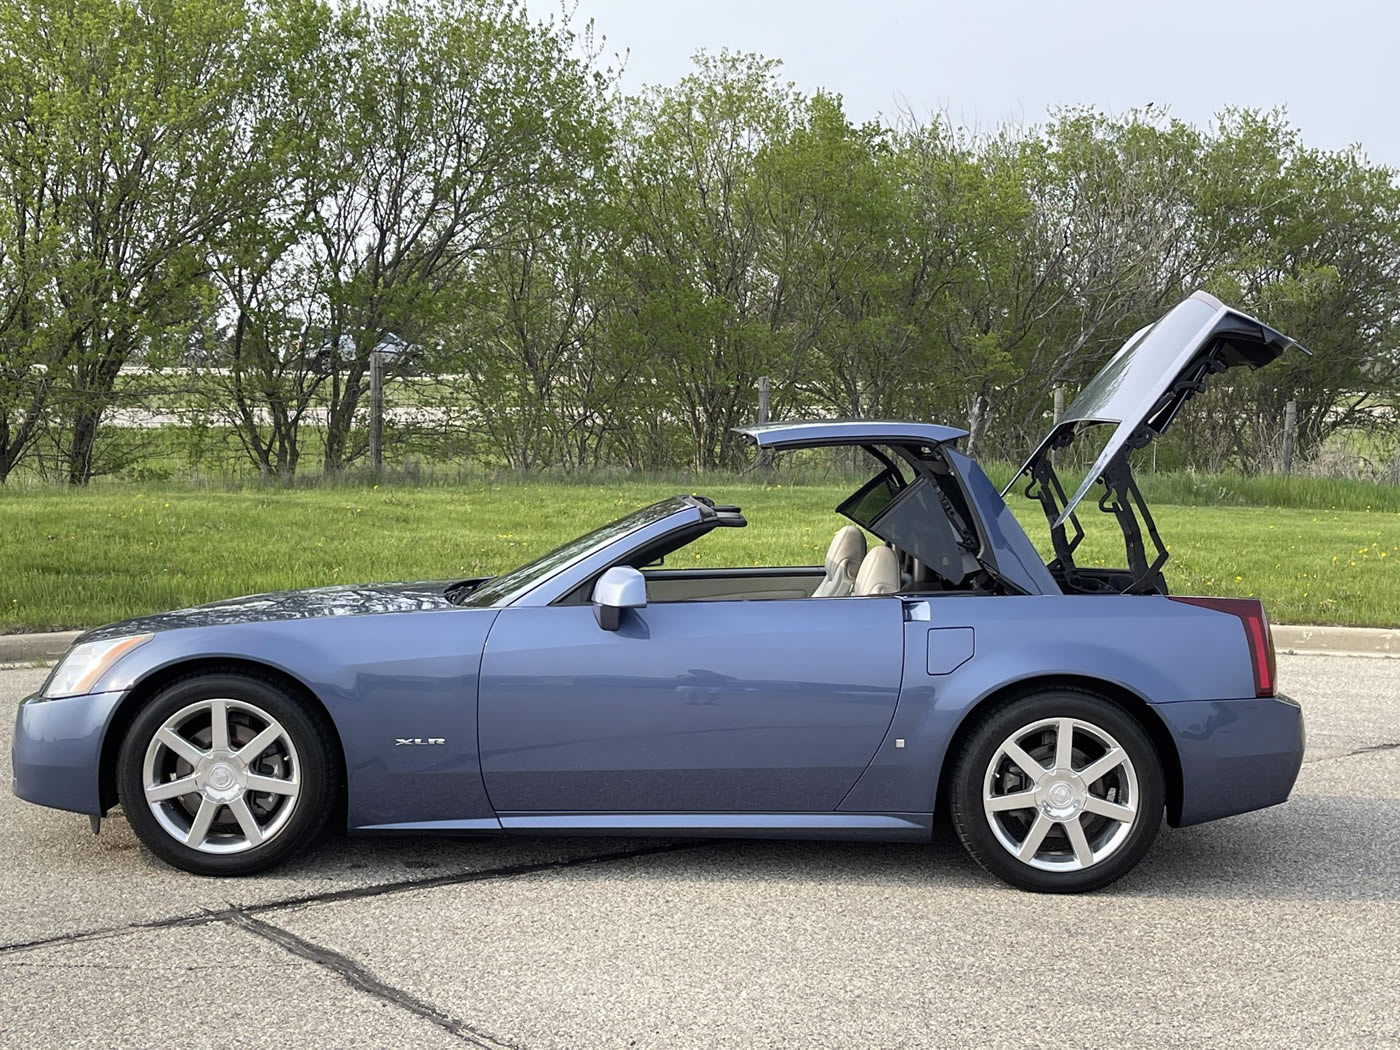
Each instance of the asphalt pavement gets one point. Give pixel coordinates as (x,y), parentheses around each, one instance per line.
(1277,928)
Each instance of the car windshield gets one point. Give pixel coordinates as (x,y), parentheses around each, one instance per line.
(517,581)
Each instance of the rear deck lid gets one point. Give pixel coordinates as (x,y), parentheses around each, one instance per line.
(1140,391)
(814,433)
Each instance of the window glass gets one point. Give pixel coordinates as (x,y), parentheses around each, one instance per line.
(519,580)
(916,522)
(870,500)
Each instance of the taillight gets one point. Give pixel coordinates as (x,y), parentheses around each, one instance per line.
(1256,631)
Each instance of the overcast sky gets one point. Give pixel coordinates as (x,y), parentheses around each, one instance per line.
(1335,65)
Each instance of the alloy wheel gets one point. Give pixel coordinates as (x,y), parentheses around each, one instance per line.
(1061,794)
(221,776)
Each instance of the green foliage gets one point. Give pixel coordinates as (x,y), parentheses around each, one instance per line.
(245,200)
(122,143)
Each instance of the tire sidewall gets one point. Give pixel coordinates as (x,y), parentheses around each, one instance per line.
(971,819)
(316,772)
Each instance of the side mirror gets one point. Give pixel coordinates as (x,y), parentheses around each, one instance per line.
(621,587)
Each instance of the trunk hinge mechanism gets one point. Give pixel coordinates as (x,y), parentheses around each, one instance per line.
(1123,499)
(1046,489)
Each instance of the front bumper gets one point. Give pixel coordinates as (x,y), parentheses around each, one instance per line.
(57,753)
(1236,755)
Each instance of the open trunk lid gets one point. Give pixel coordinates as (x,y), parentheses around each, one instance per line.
(1141,390)
(1139,393)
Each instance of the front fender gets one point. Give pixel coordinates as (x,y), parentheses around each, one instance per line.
(380,678)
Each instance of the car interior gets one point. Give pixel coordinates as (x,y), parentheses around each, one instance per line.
(923,543)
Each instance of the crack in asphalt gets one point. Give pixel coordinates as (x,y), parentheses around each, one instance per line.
(364,980)
(1369,749)
(1389,745)
(206,916)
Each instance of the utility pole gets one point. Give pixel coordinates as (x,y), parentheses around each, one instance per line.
(1290,434)
(1059,414)
(376,410)
(765,459)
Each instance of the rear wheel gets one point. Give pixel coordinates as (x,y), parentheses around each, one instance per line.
(225,774)
(1058,792)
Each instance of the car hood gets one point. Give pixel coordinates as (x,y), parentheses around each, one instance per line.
(1141,390)
(357,600)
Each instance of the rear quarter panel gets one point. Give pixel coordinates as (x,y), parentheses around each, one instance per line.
(1161,651)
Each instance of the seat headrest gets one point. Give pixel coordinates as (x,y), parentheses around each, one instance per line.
(879,573)
(847,547)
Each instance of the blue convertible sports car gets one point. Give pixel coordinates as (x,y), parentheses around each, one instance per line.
(1054,712)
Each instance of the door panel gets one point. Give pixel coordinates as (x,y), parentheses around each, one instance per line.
(703,707)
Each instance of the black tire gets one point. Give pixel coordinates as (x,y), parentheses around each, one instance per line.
(970,776)
(315,753)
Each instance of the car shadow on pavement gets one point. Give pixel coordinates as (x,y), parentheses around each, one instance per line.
(1315,847)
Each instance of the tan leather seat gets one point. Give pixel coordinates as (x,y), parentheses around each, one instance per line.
(843,558)
(879,573)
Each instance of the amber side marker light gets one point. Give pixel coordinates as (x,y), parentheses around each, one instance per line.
(1256,632)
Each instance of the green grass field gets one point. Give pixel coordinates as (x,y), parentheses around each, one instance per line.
(75,558)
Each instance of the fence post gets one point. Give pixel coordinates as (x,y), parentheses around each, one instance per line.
(1290,434)
(765,458)
(1059,413)
(376,410)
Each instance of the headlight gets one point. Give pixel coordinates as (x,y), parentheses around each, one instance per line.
(80,670)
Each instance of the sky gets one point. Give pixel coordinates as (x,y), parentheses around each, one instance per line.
(1334,65)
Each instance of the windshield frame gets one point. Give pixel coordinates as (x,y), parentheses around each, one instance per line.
(541,580)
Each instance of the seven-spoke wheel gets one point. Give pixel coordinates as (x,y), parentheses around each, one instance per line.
(226,774)
(1060,791)
(1060,794)
(221,776)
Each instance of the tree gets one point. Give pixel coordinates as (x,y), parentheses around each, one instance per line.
(838,249)
(447,111)
(1314,249)
(133,101)
(272,373)
(535,370)
(30,338)
(1081,232)
(276,188)
(700,309)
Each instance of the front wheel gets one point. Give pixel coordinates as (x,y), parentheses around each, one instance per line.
(226,774)
(1058,792)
